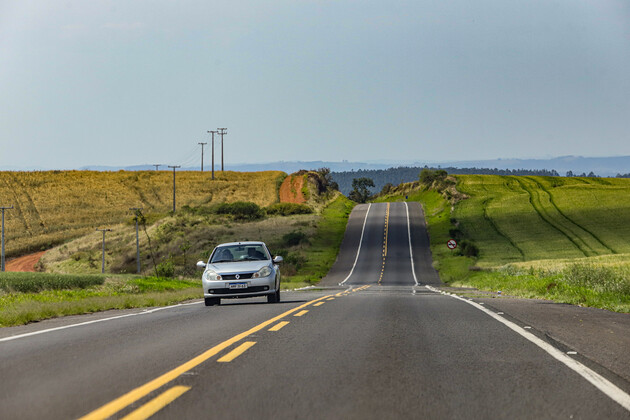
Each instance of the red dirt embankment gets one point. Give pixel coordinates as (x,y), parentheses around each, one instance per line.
(291,189)
(25,263)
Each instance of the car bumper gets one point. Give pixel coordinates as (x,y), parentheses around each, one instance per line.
(255,287)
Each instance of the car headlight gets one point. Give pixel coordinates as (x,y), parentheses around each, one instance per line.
(210,275)
(263,272)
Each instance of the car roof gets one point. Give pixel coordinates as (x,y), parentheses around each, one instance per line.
(242,243)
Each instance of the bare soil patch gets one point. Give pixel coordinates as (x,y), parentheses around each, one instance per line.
(24,263)
(291,190)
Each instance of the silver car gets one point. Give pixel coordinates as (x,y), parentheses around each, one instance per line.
(240,269)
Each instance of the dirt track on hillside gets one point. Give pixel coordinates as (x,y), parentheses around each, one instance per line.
(291,190)
(25,263)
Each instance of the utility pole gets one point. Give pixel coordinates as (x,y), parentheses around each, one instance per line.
(174,167)
(2,258)
(157,166)
(202,144)
(103,260)
(222,132)
(212,132)
(136,210)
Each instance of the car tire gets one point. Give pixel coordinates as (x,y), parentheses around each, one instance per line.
(274,297)
(212,301)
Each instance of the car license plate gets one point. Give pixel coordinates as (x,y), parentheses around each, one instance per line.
(237,285)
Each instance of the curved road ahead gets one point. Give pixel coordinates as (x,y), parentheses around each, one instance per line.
(383,344)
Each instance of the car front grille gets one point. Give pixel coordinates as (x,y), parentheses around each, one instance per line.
(240,275)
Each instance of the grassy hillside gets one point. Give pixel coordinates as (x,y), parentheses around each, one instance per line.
(566,239)
(308,242)
(55,206)
(517,219)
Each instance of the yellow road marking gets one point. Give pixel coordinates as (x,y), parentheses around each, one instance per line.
(385,240)
(301,313)
(331,298)
(319,303)
(134,395)
(278,326)
(236,352)
(157,403)
(386,228)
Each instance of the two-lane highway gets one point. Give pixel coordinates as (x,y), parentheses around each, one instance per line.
(380,345)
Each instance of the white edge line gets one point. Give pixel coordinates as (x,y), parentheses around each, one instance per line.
(360,243)
(145,312)
(604,385)
(413,267)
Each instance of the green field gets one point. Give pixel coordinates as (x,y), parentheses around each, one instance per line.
(517,219)
(28,297)
(566,239)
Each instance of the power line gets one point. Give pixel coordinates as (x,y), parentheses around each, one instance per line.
(191,160)
(189,157)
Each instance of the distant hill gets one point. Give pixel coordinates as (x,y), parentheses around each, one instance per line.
(601,166)
(288,167)
(397,176)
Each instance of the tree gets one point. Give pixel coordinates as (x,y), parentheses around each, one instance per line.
(428,177)
(387,188)
(327,180)
(570,173)
(360,192)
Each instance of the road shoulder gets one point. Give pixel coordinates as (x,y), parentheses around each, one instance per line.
(599,335)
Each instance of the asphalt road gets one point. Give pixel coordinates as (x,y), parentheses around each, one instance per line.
(381,345)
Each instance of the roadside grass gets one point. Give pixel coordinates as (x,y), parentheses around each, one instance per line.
(323,245)
(584,284)
(562,239)
(53,207)
(68,297)
(35,282)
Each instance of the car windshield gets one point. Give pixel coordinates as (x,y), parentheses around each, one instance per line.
(232,253)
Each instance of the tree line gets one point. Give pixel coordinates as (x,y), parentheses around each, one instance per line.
(395,176)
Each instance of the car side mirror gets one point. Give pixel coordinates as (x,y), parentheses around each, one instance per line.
(278,260)
(201,265)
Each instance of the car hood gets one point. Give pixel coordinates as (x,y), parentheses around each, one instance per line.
(238,267)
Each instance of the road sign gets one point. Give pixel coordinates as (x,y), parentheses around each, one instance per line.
(451,244)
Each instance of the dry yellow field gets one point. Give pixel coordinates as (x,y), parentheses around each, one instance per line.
(51,207)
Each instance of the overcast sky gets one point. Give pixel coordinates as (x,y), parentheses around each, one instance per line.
(133,82)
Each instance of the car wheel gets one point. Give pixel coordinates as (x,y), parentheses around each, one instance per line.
(274,298)
(212,301)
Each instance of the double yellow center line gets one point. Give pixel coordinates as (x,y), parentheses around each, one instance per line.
(162,400)
(385,237)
